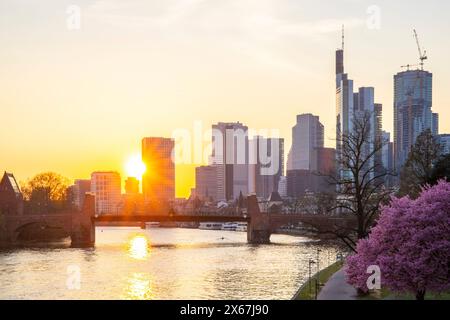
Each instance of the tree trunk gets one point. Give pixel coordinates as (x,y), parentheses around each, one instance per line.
(420,295)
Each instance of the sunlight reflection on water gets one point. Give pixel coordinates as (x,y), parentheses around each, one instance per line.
(130,263)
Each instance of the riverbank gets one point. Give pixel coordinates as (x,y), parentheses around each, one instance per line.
(308,290)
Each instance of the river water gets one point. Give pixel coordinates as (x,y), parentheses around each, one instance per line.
(159,263)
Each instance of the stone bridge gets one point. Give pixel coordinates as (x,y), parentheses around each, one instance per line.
(80,226)
(75,224)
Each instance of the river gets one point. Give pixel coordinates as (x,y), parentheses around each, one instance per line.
(159,263)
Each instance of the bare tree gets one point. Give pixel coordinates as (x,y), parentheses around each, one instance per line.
(359,180)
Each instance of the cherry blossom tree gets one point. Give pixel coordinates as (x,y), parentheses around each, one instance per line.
(410,244)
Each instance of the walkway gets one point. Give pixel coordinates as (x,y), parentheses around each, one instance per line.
(337,288)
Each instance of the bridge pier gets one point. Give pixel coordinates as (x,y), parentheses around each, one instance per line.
(259,228)
(83,225)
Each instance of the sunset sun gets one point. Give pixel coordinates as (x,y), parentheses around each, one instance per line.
(135,167)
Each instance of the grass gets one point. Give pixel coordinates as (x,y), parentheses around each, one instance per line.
(307,290)
(386,294)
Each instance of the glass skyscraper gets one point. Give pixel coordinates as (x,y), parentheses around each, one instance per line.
(412,111)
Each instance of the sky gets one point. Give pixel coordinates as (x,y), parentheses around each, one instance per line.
(79,97)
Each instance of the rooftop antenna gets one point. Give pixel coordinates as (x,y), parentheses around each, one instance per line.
(343,37)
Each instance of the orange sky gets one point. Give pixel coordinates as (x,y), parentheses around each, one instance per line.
(76,101)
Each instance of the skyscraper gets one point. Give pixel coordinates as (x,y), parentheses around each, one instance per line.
(106,187)
(307,134)
(206,182)
(444,141)
(230,156)
(158,182)
(366,110)
(435,124)
(131,186)
(412,110)
(387,157)
(267,165)
(344,104)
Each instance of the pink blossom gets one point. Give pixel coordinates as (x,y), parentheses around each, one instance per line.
(410,244)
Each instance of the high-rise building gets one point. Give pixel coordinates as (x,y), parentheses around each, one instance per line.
(444,141)
(387,157)
(79,190)
(131,186)
(282,187)
(230,156)
(300,182)
(158,182)
(344,106)
(369,113)
(106,187)
(412,111)
(266,165)
(435,124)
(307,134)
(206,182)
(325,168)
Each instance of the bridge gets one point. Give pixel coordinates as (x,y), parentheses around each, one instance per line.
(80,225)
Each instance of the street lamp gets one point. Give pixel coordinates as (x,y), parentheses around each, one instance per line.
(311,261)
(318,272)
(318,261)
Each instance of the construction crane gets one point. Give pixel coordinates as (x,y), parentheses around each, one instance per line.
(408,66)
(422,55)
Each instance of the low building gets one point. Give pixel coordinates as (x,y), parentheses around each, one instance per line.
(206,182)
(106,186)
(131,186)
(79,190)
(444,140)
(11,198)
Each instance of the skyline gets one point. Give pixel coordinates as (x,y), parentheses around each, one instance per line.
(99,119)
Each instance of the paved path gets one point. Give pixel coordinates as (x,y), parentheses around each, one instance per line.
(337,288)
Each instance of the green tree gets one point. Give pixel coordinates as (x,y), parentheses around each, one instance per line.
(418,169)
(441,170)
(45,192)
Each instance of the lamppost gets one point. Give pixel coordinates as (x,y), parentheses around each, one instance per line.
(318,272)
(318,261)
(311,261)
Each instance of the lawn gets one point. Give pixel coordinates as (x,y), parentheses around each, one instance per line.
(307,290)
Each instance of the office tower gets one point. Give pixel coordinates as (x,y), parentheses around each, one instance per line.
(266,165)
(412,111)
(158,182)
(106,187)
(444,141)
(316,180)
(80,188)
(230,156)
(300,182)
(206,182)
(307,134)
(387,158)
(282,187)
(369,113)
(344,105)
(325,169)
(131,186)
(435,124)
